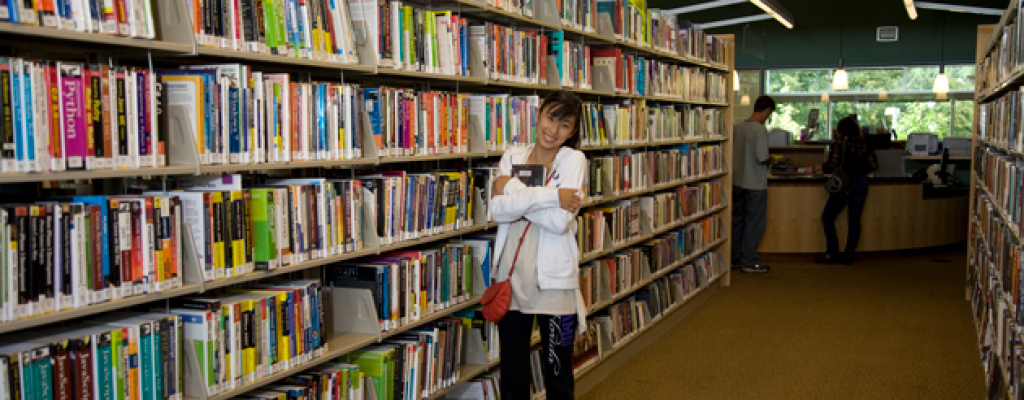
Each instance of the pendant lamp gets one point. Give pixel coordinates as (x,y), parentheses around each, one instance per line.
(941,85)
(839,80)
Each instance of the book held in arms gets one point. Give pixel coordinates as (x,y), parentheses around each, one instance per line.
(532,175)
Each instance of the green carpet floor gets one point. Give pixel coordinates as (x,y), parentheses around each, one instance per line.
(892,327)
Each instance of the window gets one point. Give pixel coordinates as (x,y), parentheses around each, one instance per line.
(896,98)
(963,117)
(793,117)
(905,117)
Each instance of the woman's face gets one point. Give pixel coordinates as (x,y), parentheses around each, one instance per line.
(551,131)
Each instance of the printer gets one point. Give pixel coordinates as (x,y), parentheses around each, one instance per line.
(957,146)
(922,144)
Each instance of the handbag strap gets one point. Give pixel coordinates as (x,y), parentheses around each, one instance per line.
(528,225)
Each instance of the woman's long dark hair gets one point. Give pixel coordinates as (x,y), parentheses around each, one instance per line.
(565,105)
(848,128)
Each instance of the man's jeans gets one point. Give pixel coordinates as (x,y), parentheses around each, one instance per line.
(749,219)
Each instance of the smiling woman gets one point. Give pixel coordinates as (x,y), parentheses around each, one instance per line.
(538,253)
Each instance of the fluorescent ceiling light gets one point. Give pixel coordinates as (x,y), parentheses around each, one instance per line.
(776,11)
(839,81)
(924,5)
(911,10)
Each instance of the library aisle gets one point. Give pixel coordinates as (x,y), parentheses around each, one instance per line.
(888,327)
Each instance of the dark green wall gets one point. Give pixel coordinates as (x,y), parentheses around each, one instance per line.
(815,40)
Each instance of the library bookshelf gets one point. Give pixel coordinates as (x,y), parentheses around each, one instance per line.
(350,321)
(994,262)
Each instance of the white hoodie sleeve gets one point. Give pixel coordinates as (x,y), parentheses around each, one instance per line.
(518,200)
(555,219)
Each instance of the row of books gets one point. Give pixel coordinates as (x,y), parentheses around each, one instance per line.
(572,61)
(700,197)
(410,366)
(411,37)
(331,380)
(512,54)
(1000,121)
(635,313)
(251,333)
(1005,57)
(703,122)
(619,220)
(586,348)
(627,171)
(701,160)
(74,116)
(316,29)
(72,252)
(998,337)
(410,285)
(695,43)
(124,355)
(625,269)
(643,76)
(473,318)
(1003,176)
(128,18)
(999,250)
(617,122)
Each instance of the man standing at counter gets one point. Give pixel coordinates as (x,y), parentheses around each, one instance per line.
(750,187)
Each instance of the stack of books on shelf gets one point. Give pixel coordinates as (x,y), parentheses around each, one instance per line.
(1005,58)
(122,355)
(414,365)
(695,44)
(512,54)
(579,14)
(132,19)
(614,122)
(702,160)
(619,221)
(73,252)
(78,116)
(506,121)
(411,37)
(329,381)
(313,30)
(999,124)
(572,61)
(473,318)
(628,317)
(1002,175)
(703,122)
(700,197)
(409,285)
(407,122)
(251,333)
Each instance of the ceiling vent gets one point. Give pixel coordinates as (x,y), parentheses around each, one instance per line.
(888,34)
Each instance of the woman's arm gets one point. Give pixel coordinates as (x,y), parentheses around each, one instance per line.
(558,220)
(512,200)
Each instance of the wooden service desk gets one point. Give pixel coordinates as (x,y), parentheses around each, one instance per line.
(896,216)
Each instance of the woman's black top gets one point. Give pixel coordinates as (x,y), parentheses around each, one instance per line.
(860,159)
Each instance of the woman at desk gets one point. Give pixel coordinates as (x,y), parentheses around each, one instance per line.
(858,160)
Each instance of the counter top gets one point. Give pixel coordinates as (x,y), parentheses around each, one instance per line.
(822,178)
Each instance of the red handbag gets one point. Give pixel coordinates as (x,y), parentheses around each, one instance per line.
(496,299)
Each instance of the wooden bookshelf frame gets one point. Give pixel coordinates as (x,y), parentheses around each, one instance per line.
(178,45)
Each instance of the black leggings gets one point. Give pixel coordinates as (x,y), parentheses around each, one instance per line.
(557,335)
(836,202)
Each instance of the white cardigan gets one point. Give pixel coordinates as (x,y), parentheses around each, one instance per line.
(558,255)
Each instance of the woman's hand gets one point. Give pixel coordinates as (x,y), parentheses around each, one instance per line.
(569,200)
(498,188)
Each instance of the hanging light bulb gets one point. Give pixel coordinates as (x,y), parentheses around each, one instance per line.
(941,85)
(745,100)
(735,81)
(824,97)
(941,96)
(883,95)
(839,80)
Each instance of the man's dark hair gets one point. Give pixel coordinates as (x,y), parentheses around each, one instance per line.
(764,103)
(565,104)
